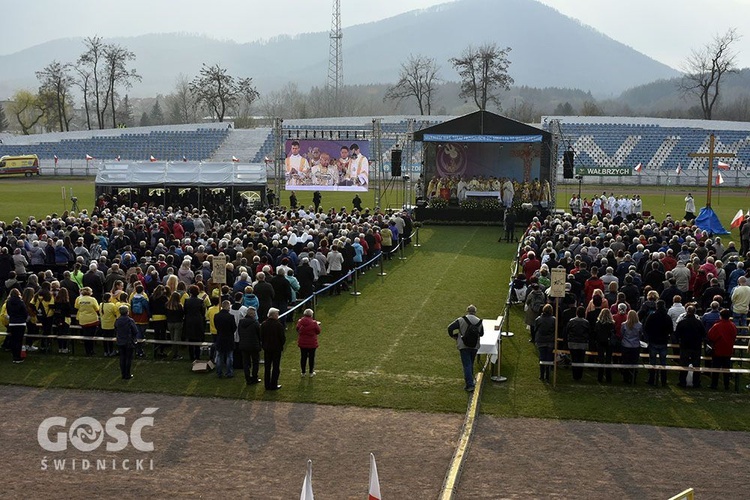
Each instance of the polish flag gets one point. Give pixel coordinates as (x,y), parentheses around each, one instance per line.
(737,219)
(638,168)
(307,492)
(184,158)
(679,169)
(719,179)
(235,159)
(374,481)
(89,157)
(117,157)
(151,158)
(723,166)
(55,160)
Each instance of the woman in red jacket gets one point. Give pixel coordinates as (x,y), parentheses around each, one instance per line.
(722,335)
(308,330)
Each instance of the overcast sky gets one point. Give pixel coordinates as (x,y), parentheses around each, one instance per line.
(663,29)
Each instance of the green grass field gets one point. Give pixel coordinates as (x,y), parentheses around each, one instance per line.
(389,347)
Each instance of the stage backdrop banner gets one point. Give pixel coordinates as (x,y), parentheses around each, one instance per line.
(321,165)
(516,161)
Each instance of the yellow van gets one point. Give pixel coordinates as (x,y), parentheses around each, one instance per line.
(22,164)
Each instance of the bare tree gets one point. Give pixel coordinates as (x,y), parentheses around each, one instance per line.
(3,119)
(116,59)
(705,67)
(418,79)
(28,110)
(483,72)
(89,70)
(181,102)
(83,82)
(56,82)
(219,92)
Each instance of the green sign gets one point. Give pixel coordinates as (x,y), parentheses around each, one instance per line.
(604,171)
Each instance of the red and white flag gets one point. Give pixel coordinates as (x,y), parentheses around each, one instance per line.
(737,219)
(235,159)
(374,481)
(719,179)
(89,157)
(678,169)
(307,492)
(55,157)
(723,166)
(117,157)
(638,168)
(151,158)
(184,158)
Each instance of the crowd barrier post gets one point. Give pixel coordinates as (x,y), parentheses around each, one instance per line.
(355,292)
(382,270)
(401,249)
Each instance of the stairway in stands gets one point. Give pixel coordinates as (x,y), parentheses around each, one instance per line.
(241,143)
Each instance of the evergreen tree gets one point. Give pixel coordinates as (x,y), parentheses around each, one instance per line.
(145,121)
(156,117)
(125,113)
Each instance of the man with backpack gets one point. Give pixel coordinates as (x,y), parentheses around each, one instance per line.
(469,328)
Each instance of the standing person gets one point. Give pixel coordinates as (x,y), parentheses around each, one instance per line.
(127,333)
(17,316)
(545,340)
(604,332)
(225,328)
(508,193)
(272,338)
(195,321)
(248,331)
(578,333)
(317,198)
(467,346)
(139,310)
(690,333)
(293,201)
(88,317)
(510,226)
(265,293)
(632,331)
(282,292)
(658,330)
(357,203)
(741,301)
(175,322)
(110,311)
(359,168)
(63,310)
(158,308)
(722,335)
(307,341)
(689,208)
(334,267)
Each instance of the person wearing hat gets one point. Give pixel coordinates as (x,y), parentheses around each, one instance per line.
(126,332)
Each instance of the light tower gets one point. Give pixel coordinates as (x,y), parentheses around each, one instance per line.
(335,62)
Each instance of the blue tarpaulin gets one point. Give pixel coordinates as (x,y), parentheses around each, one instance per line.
(707,220)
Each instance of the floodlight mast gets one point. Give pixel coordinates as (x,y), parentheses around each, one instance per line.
(335,62)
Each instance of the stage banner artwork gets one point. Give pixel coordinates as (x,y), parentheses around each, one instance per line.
(604,172)
(518,161)
(327,165)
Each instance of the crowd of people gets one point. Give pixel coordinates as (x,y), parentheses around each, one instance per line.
(625,206)
(634,283)
(131,272)
(508,190)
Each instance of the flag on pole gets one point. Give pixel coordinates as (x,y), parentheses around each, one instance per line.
(89,157)
(374,481)
(117,157)
(723,166)
(307,492)
(235,159)
(638,168)
(55,160)
(719,179)
(184,158)
(151,158)
(737,219)
(679,169)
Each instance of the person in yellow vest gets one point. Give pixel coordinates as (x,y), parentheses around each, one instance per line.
(88,317)
(210,313)
(296,167)
(109,313)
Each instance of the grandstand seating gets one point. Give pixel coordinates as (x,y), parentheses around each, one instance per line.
(130,144)
(658,144)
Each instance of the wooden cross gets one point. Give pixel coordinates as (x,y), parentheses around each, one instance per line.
(527,153)
(711,155)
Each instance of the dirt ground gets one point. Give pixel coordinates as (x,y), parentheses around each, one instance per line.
(258,449)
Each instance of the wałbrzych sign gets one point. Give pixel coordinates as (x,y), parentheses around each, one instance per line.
(604,171)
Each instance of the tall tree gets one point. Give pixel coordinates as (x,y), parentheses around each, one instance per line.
(706,66)
(28,109)
(56,82)
(219,91)
(3,118)
(145,120)
(156,116)
(418,79)
(125,112)
(89,69)
(116,60)
(483,72)
(181,104)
